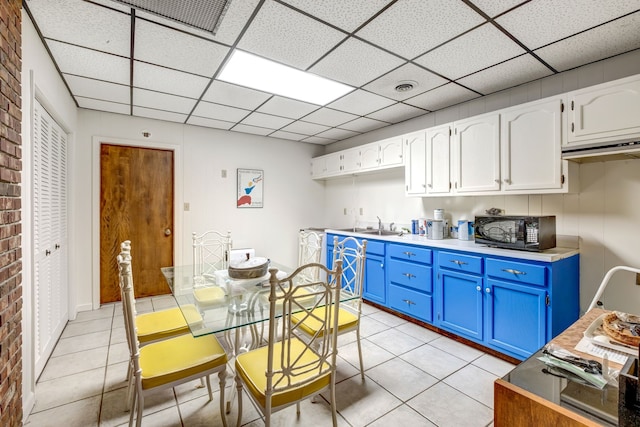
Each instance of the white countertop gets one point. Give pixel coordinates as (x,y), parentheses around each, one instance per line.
(549,255)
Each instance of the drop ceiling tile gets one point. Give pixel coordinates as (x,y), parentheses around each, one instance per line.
(336,133)
(318,140)
(288,135)
(234,20)
(496,7)
(97,89)
(305,128)
(252,129)
(174,49)
(602,42)
(210,123)
(422,80)
(361,102)
(355,63)
(397,113)
(412,27)
(347,15)
(83,24)
(111,4)
(363,124)
(159,115)
(162,101)
(289,37)
(90,63)
(219,112)
(480,48)
(235,96)
(442,97)
(328,117)
(286,107)
(516,71)
(96,104)
(161,79)
(266,121)
(544,21)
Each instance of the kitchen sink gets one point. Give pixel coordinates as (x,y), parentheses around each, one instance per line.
(370,231)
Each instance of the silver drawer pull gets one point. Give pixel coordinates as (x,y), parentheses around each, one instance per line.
(409,275)
(455,261)
(512,271)
(409,253)
(409,302)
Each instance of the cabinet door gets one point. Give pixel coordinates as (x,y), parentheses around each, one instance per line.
(333,164)
(390,152)
(438,160)
(318,167)
(369,156)
(477,154)
(460,301)
(605,112)
(374,280)
(516,317)
(531,142)
(415,172)
(350,160)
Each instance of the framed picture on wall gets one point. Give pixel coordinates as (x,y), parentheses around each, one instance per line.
(250,188)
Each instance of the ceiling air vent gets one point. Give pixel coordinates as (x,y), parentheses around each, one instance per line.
(202,14)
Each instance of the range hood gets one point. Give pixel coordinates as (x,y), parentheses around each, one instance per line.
(619,150)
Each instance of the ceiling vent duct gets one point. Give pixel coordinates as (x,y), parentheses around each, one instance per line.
(202,14)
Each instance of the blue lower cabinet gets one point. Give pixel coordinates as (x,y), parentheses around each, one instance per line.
(415,304)
(374,279)
(461,304)
(516,317)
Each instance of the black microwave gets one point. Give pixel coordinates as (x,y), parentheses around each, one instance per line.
(525,233)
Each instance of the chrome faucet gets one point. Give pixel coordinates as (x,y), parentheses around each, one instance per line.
(380,226)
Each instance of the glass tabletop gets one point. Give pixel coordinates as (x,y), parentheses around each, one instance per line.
(214,303)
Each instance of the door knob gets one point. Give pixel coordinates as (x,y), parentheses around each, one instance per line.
(167,232)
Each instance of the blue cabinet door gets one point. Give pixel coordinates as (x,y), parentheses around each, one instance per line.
(516,317)
(374,280)
(460,300)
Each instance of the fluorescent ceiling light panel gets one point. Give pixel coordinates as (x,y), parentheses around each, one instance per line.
(252,71)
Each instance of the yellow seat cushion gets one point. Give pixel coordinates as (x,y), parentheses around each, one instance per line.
(251,367)
(310,325)
(209,296)
(170,360)
(164,324)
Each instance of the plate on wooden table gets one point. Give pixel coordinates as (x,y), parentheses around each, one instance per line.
(598,335)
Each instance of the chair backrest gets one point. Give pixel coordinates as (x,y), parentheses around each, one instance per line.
(128,305)
(309,251)
(353,255)
(294,358)
(210,252)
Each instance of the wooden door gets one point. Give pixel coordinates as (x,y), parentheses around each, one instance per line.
(136,203)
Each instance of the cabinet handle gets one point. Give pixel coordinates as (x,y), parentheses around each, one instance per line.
(409,253)
(423,186)
(57,246)
(507,181)
(409,275)
(497,181)
(455,261)
(409,302)
(512,271)
(487,290)
(478,288)
(47,252)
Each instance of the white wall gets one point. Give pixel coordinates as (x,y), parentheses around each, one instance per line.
(291,199)
(605,214)
(39,79)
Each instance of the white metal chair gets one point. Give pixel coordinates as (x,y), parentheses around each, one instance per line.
(167,363)
(298,366)
(605,282)
(352,254)
(310,251)
(210,253)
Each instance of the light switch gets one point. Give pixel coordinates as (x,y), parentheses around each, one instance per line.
(187,206)
(345,211)
(361,211)
(224,173)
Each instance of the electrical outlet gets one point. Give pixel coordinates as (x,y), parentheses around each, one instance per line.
(224,173)
(187,206)
(345,211)
(361,211)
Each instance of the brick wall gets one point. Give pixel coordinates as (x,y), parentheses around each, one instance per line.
(10,205)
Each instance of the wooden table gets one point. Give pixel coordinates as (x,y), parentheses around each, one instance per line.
(518,403)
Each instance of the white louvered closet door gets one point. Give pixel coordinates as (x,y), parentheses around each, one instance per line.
(50,291)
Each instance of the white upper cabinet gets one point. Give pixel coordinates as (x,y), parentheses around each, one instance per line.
(390,152)
(350,160)
(326,166)
(476,165)
(415,168)
(369,156)
(607,112)
(531,144)
(439,160)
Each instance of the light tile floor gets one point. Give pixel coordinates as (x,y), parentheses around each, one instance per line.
(414,377)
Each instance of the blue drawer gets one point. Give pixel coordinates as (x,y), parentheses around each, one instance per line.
(516,271)
(459,262)
(410,253)
(415,304)
(417,276)
(375,247)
